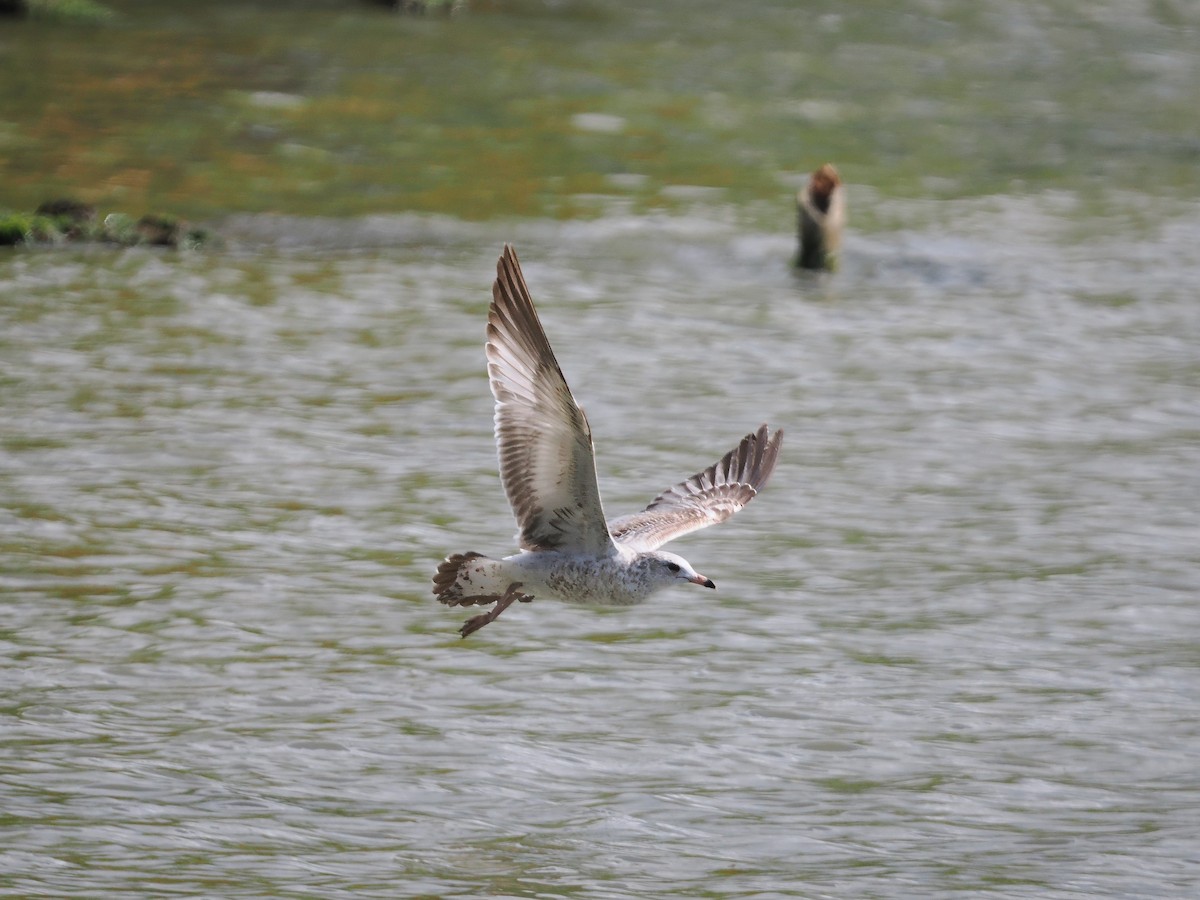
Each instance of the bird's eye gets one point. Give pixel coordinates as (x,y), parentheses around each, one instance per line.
(674,567)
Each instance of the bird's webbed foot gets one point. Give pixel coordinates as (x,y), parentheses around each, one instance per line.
(510,596)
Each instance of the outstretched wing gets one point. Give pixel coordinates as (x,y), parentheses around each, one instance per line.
(547,463)
(707,498)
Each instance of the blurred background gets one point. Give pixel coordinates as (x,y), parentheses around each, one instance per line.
(560,109)
(955,647)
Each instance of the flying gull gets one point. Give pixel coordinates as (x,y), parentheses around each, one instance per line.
(548,469)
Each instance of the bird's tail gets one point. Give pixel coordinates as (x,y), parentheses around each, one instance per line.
(466,579)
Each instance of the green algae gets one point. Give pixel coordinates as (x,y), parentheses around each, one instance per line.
(524,109)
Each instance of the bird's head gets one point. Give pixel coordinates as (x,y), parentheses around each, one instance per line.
(667,568)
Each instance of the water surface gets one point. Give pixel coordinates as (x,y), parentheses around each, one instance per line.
(954,645)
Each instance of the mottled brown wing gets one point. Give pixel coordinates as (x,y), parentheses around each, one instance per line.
(707,498)
(547,463)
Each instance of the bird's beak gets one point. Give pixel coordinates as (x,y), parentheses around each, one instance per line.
(704,582)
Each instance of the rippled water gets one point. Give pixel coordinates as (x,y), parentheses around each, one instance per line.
(954,648)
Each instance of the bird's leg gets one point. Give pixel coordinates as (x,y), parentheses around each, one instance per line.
(510,596)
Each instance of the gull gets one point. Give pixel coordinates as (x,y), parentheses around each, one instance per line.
(569,551)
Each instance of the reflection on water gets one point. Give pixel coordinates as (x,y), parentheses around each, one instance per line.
(954,647)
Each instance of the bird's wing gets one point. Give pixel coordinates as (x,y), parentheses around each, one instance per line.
(547,463)
(707,498)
